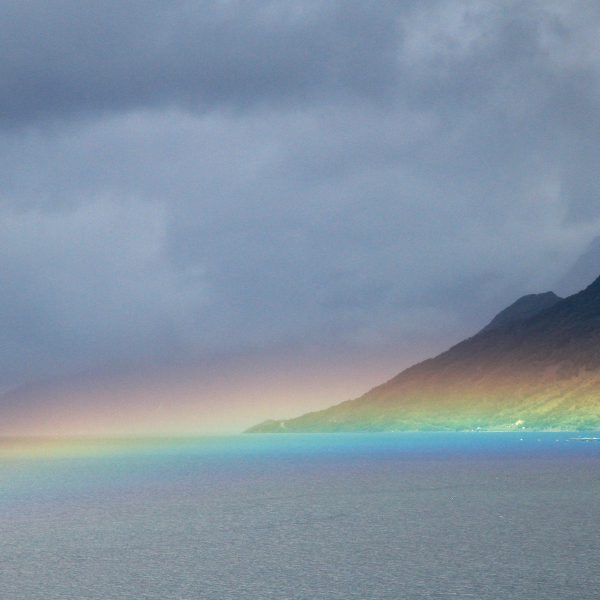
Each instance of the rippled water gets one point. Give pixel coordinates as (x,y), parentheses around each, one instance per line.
(331,516)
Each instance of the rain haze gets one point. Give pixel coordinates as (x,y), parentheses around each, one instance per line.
(214,213)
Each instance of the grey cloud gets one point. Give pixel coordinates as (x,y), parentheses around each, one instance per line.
(62,59)
(353,176)
(88,286)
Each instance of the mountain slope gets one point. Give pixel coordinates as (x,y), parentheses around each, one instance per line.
(538,372)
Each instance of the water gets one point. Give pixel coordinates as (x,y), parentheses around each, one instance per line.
(302,517)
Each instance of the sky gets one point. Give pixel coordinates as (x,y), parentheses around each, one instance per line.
(213,213)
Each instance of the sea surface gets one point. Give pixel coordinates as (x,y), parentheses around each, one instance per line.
(302,517)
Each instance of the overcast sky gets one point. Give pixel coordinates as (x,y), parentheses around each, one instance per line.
(185,179)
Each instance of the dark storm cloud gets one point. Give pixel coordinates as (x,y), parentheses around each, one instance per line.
(61,59)
(180,178)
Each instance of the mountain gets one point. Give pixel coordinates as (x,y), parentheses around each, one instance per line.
(535,366)
(523,308)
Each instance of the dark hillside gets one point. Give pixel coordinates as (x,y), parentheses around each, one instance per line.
(523,308)
(535,371)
